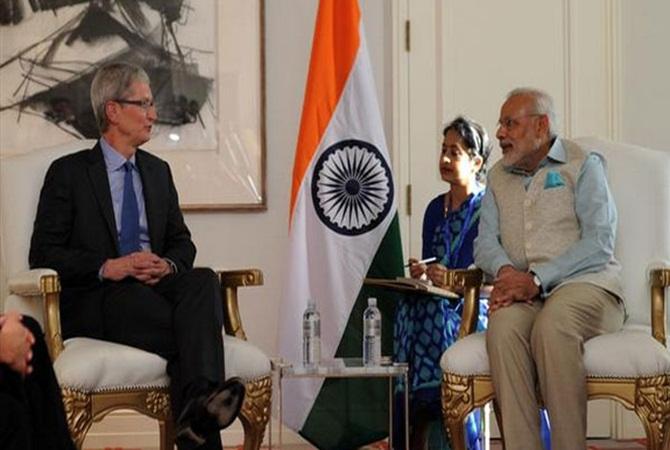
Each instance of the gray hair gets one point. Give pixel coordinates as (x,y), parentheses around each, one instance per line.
(111,82)
(543,104)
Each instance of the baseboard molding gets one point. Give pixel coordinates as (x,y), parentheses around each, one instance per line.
(126,428)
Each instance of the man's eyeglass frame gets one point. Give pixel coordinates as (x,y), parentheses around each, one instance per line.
(144,104)
(512,122)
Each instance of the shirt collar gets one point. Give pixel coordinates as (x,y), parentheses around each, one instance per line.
(556,154)
(113,159)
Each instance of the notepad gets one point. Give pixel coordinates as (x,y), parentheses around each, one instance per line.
(411,285)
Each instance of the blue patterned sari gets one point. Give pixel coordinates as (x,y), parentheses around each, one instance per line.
(426,325)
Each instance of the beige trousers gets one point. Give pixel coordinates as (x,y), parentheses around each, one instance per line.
(542,346)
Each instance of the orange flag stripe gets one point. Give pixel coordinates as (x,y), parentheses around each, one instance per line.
(334,48)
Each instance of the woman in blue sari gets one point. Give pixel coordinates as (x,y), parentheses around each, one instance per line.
(426,325)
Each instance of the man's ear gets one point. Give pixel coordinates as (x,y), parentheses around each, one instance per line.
(112,111)
(543,125)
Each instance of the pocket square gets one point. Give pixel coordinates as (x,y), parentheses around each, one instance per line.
(554,179)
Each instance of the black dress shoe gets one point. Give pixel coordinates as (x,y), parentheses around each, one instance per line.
(211,412)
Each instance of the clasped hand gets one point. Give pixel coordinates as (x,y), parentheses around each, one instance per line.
(16,342)
(512,285)
(147,267)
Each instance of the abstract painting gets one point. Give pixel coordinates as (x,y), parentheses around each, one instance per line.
(203,57)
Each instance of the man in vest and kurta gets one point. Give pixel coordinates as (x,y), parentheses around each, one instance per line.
(546,235)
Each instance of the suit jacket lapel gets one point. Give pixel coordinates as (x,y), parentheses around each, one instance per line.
(97,173)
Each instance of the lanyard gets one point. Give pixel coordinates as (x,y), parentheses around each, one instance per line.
(453,249)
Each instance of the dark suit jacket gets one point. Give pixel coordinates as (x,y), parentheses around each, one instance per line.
(75,230)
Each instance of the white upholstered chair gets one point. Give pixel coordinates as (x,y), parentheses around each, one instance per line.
(98,377)
(631,366)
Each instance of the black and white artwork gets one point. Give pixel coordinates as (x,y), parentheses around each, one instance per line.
(204,61)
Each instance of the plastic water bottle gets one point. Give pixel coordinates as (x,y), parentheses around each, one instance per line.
(311,336)
(372,334)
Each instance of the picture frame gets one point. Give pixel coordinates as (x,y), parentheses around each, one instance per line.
(206,63)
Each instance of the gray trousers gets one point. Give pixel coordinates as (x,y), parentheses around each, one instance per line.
(542,346)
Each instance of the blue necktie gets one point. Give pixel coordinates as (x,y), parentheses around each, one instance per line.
(129,241)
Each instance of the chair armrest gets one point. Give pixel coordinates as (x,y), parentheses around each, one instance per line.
(467,281)
(660,280)
(46,284)
(230,281)
(32,282)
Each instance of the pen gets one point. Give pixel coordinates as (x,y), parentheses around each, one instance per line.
(423,261)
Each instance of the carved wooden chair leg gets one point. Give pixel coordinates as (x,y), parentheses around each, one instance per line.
(457,403)
(255,412)
(654,435)
(652,406)
(666,435)
(166,431)
(78,413)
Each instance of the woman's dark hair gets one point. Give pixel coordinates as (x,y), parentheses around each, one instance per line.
(475,139)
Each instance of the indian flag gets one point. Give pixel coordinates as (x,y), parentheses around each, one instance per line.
(343,228)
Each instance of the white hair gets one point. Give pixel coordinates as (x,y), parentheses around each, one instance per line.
(542,104)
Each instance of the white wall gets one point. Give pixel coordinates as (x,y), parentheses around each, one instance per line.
(645,73)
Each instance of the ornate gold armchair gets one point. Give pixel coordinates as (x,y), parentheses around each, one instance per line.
(97,377)
(631,366)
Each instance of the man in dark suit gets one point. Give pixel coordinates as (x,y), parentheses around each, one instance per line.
(109,222)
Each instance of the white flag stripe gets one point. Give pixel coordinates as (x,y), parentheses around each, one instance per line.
(323,264)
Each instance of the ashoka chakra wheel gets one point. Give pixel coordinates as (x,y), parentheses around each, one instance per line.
(352,189)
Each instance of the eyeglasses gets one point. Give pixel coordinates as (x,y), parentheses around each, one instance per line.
(144,104)
(513,122)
